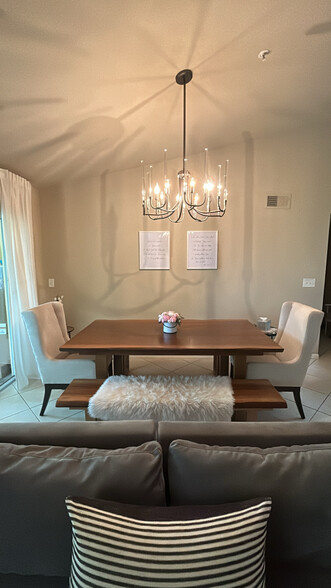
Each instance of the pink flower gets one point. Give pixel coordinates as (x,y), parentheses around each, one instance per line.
(170,316)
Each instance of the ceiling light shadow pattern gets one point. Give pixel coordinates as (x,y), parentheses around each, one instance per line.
(234,40)
(321,28)
(210,97)
(76,165)
(84,135)
(101,161)
(10,27)
(155,47)
(99,136)
(201,15)
(5,104)
(133,80)
(143,103)
(74,149)
(90,132)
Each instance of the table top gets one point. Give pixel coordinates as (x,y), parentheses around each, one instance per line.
(193,337)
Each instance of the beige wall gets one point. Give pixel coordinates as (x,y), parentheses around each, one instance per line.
(89,239)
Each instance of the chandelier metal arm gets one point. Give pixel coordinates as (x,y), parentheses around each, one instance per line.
(206,215)
(162,208)
(195,205)
(199,220)
(168,215)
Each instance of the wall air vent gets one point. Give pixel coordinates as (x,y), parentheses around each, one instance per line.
(279,201)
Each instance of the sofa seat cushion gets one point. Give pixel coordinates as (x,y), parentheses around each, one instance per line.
(123,545)
(35,533)
(297,478)
(20,581)
(298,576)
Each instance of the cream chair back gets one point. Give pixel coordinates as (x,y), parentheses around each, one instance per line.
(46,327)
(298,331)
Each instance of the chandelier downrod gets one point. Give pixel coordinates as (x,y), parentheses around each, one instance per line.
(183,78)
(156,203)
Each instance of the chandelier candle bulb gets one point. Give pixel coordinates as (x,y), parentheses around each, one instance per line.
(219,185)
(226,177)
(150,182)
(206,165)
(165,165)
(143,186)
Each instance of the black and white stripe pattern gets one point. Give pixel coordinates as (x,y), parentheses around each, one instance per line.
(111,549)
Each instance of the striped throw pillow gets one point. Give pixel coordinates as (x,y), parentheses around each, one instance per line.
(174,547)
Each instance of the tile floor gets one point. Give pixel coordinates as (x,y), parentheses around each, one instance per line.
(24,406)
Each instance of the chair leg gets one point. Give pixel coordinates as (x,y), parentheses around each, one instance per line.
(297,398)
(110,368)
(296,391)
(48,390)
(47,394)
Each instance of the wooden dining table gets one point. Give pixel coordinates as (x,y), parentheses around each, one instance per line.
(220,338)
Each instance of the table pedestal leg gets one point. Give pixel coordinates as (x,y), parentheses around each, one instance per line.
(101,363)
(88,417)
(239,366)
(248,415)
(121,365)
(221,365)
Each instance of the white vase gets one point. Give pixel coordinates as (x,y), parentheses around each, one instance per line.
(170,327)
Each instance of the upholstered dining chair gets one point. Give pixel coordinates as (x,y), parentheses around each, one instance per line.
(298,330)
(47,331)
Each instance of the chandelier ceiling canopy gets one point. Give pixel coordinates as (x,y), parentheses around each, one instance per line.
(201,202)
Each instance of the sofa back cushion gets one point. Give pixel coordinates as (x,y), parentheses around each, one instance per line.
(297,478)
(269,434)
(34,482)
(94,434)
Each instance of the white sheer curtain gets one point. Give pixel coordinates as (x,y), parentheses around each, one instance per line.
(16,213)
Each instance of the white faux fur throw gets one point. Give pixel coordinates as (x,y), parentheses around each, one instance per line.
(163,398)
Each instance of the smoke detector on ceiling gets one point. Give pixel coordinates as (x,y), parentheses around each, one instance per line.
(263,54)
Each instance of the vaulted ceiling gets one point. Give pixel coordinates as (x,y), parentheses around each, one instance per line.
(88,86)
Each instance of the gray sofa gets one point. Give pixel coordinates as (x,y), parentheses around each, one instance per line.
(170,463)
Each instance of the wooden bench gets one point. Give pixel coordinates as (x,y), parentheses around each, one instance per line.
(249,397)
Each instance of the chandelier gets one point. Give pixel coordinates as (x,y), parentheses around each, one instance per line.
(209,202)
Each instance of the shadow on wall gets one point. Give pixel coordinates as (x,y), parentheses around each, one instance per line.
(247,272)
(54,259)
(109,243)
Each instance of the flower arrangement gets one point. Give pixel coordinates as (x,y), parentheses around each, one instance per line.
(170,317)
